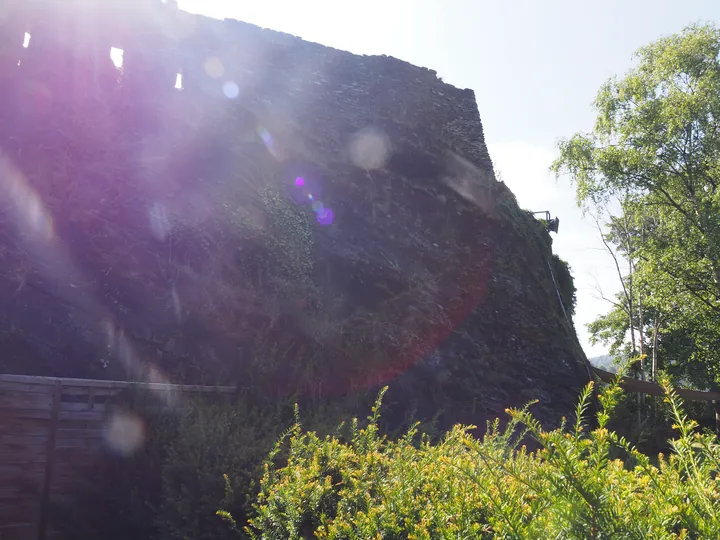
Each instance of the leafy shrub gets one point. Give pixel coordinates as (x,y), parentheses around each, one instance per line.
(214,439)
(565,284)
(365,486)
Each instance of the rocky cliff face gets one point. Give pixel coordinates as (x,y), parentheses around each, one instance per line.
(294,218)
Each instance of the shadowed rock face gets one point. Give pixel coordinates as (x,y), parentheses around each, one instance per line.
(294,219)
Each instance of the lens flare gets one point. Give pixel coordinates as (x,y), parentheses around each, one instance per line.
(231,90)
(267,138)
(116,55)
(325,216)
(177,306)
(159,221)
(124,433)
(25,203)
(214,67)
(369,148)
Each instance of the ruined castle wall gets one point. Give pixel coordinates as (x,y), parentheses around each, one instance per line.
(185,250)
(299,89)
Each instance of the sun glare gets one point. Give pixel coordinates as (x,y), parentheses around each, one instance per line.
(116,55)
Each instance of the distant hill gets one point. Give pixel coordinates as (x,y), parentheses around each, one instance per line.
(604,362)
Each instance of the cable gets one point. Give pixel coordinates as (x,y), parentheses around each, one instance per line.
(567,319)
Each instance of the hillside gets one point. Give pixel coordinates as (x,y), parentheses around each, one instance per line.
(605,362)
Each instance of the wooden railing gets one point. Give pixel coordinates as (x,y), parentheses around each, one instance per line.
(50,430)
(645,387)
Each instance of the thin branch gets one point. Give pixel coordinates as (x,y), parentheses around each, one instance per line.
(651,185)
(689,289)
(628,297)
(603,297)
(614,257)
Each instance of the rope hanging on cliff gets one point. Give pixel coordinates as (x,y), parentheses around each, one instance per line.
(567,319)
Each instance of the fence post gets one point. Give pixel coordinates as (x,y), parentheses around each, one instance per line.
(44,502)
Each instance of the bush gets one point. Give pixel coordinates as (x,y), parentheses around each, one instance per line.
(365,486)
(214,439)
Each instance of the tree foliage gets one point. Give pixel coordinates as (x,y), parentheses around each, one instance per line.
(655,147)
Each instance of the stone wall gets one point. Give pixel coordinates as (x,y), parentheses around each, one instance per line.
(295,219)
(297,88)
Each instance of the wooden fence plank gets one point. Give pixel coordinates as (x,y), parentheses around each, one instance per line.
(86,433)
(12,470)
(96,407)
(81,415)
(24,425)
(17,519)
(70,423)
(14,492)
(94,444)
(85,390)
(35,446)
(44,501)
(14,458)
(25,401)
(23,438)
(16,533)
(6,386)
(5,527)
(87,383)
(25,413)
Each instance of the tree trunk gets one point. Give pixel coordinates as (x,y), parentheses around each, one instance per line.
(641,335)
(654,366)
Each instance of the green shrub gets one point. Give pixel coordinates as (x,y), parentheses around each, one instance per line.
(565,284)
(214,439)
(365,486)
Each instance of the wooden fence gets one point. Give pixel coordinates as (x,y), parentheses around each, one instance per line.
(50,430)
(652,389)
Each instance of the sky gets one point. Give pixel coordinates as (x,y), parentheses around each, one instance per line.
(535,67)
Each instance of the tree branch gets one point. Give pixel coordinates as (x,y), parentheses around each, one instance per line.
(685,285)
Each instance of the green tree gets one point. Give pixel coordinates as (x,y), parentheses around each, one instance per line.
(656,147)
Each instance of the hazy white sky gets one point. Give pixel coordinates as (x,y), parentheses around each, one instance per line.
(535,67)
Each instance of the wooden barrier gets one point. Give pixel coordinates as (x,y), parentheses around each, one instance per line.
(644,387)
(50,429)
(49,425)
